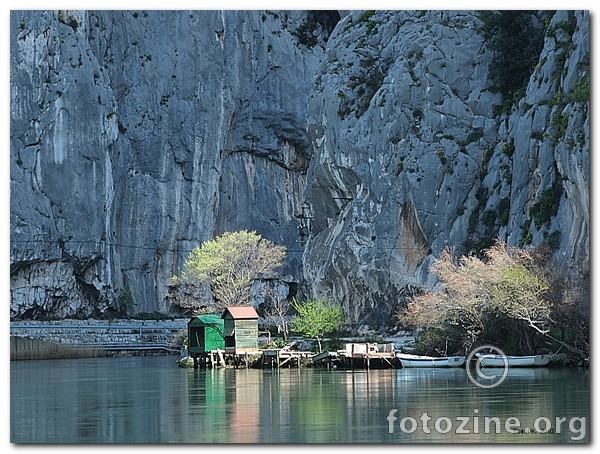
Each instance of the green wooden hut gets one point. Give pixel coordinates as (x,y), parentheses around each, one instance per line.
(241,329)
(205,334)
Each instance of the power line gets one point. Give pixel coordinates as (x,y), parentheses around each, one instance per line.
(177,251)
(103,243)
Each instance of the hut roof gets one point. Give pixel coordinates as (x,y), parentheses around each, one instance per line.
(208,319)
(240,312)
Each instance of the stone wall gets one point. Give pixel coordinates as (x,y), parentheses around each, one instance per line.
(169,333)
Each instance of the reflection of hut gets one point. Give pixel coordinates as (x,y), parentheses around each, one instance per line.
(241,329)
(205,334)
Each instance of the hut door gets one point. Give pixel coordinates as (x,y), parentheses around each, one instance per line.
(229,335)
(195,337)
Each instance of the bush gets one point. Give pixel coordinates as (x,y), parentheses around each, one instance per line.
(152,316)
(516,38)
(438,341)
(547,205)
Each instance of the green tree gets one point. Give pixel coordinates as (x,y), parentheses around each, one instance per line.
(316,318)
(231,262)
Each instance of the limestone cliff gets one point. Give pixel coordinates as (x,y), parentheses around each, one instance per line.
(412,154)
(136,135)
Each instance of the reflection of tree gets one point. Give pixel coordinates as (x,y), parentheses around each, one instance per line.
(207,399)
(243,403)
(320,409)
(314,406)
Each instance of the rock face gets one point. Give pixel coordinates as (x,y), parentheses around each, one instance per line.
(137,135)
(411,156)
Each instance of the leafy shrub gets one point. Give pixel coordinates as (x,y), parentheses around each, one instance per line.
(516,39)
(316,20)
(547,205)
(581,92)
(124,302)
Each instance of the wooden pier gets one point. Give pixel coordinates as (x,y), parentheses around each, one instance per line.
(278,357)
(359,356)
(221,358)
(267,358)
(354,356)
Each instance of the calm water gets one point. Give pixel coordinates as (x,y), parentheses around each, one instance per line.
(151,400)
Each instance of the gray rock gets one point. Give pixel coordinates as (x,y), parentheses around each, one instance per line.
(138,135)
(428,163)
(135,136)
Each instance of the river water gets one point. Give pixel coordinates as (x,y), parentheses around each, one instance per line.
(150,400)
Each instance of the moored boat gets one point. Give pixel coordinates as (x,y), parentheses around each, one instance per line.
(408,360)
(490,360)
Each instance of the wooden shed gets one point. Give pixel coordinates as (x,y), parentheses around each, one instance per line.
(205,334)
(241,329)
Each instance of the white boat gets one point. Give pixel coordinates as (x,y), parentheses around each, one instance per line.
(490,360)
(408,360)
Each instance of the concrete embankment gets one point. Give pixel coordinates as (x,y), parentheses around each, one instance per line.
(78,338)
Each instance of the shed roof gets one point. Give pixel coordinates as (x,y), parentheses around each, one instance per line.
(240,312)
(208,319)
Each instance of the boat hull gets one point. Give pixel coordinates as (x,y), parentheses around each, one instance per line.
(430,361)
(514,361)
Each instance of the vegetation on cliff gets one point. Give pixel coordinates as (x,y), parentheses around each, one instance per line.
(511,298)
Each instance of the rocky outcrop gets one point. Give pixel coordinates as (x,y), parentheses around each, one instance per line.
(137,135)
(412,156)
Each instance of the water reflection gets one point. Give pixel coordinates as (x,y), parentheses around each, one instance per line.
(526,394)
(150,400)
